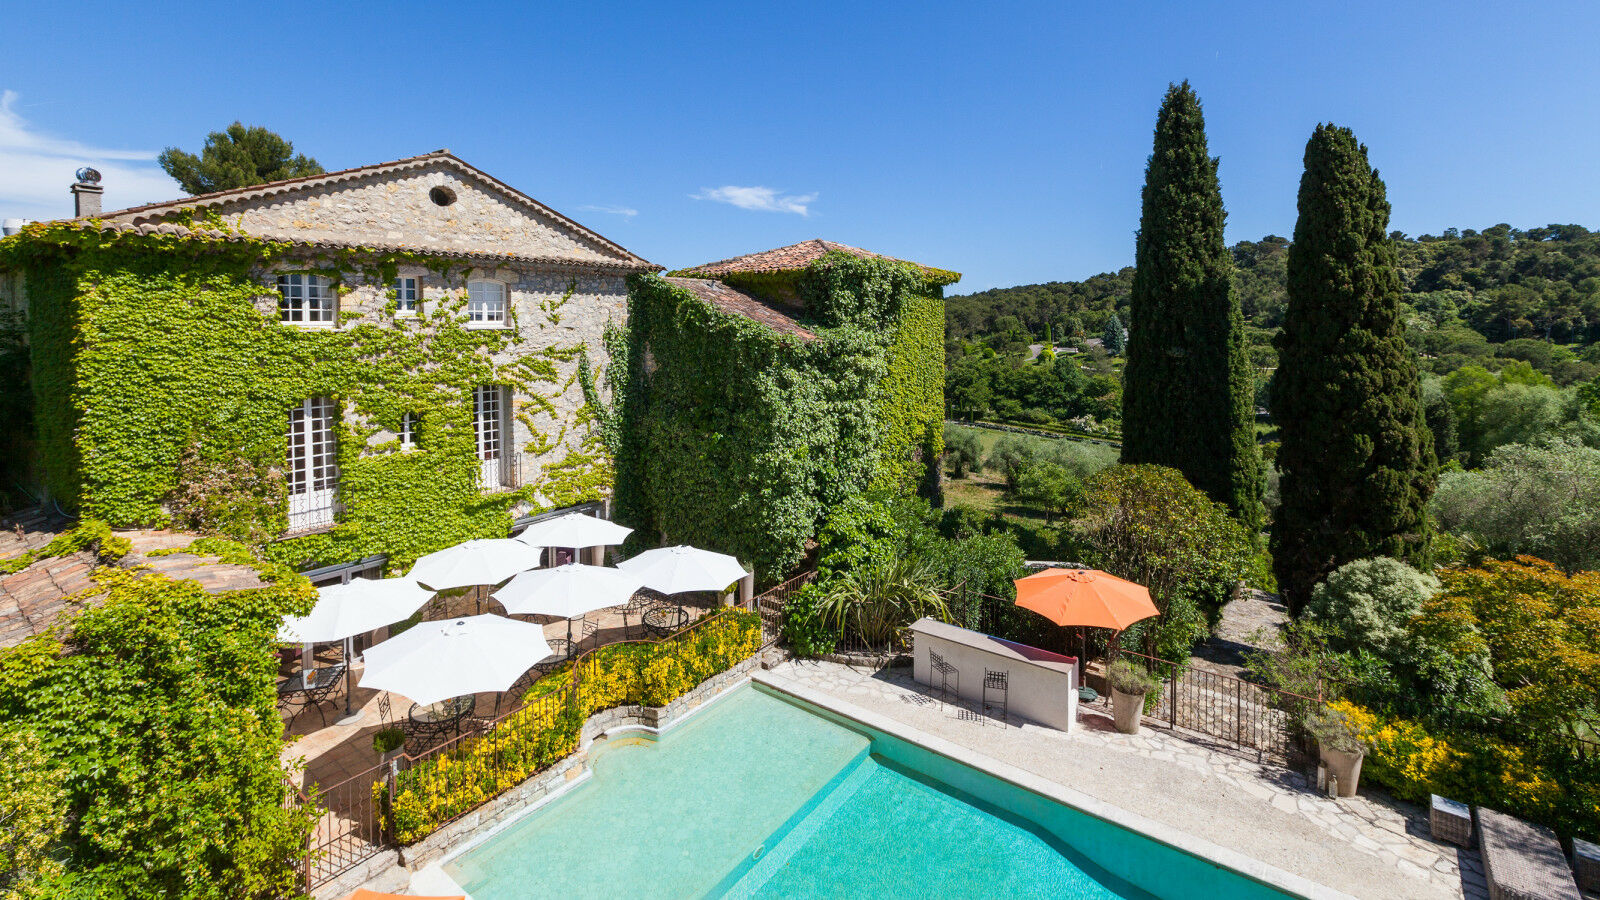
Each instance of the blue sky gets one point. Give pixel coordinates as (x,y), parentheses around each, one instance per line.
(1006,141)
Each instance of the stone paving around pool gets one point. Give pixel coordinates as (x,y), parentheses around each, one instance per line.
(1367,846)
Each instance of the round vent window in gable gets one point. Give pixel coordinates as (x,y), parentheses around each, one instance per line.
(442,196)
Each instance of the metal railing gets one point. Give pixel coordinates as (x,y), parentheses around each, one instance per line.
(770,603)
(1237,714)
(348,830)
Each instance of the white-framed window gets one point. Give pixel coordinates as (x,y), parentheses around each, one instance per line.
(306,298)
(408,296)
(486,304)
(490,419)
(313,468)
(408,431)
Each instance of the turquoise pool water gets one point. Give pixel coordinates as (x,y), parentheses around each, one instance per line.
(759,796)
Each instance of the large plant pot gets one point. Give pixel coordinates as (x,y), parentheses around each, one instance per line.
(1128,710)
(1344,766)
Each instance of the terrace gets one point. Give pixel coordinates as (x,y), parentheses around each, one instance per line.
(1233,794)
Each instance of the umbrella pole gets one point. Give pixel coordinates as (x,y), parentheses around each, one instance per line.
(351,716)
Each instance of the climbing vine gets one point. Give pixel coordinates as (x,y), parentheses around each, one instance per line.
(734,436)
(159,367)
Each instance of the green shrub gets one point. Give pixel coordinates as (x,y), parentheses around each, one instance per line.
(1367,604)
(1129,678)
(876,602)
(963,451)
(1333,730)
(158,711)
(1542,501)
(805,627)
(388,739)
(1148,525)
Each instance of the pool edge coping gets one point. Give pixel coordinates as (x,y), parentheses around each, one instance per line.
(1177,839)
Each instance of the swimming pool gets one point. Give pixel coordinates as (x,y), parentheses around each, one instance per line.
(760,795)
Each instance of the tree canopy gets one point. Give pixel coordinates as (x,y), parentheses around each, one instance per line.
(237,157)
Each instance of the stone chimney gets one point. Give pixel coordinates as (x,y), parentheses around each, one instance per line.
(86,193)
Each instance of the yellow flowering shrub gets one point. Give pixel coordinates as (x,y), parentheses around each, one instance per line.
(1560,791)
(546,729)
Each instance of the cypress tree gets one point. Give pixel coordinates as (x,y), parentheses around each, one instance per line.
(1188,398)
(1356,457)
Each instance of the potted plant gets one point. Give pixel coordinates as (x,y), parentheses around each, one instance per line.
(1340,747)
(1129,685)
(387,742)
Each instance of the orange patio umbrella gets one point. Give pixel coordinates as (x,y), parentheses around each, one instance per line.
(1085,597)
(364,894)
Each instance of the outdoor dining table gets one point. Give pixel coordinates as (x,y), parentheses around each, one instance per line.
(296,690)
(664,620)
(436,720)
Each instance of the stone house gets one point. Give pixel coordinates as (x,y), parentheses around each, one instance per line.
(399,355)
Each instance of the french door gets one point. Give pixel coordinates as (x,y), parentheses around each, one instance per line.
(489,425)
(313,465)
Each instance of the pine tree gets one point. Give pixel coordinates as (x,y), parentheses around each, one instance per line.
(1115,338)
(1188,400)
(1356,456)
(238,157)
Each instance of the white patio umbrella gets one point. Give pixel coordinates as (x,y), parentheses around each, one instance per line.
(475,562)
(576,530)
(346,610)
(567,591)
(434,661)
(673,570)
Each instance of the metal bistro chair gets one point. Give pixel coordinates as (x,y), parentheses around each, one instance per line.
(997,683)
(589,629)
(639,604)
(944,671)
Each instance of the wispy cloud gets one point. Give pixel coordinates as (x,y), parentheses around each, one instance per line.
(624,211)
(36,169)
(764,199)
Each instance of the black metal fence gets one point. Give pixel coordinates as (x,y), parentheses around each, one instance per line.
(1236,714)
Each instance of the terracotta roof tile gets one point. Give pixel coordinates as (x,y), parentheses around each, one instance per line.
(795,256)
(618,266)
(739,303)
(143,217)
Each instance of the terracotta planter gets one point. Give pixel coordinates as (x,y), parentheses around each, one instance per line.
(1128,709)
(1344,766)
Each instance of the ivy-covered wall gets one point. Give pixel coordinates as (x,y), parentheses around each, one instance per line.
(163,379)
(739,438)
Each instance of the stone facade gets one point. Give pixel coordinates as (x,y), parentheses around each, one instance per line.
(541,428)
(565,285)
